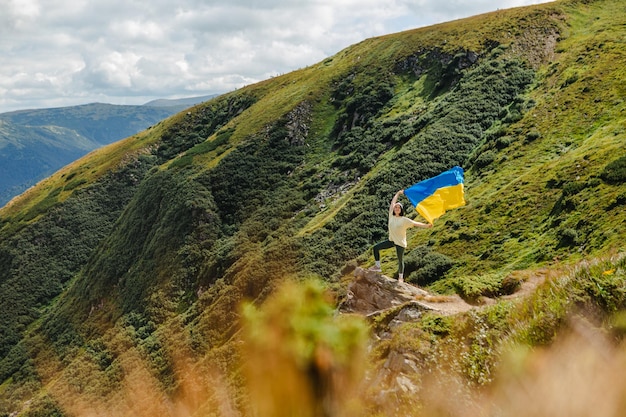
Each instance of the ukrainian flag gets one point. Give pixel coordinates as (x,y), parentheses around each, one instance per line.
(432,197)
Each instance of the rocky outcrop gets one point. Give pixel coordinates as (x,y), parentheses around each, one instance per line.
(425,60)
(298,123)
(372,292)
(391,304)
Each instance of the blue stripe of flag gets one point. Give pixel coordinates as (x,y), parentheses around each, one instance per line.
(424,189)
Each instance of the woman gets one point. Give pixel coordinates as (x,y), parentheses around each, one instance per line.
(398,225)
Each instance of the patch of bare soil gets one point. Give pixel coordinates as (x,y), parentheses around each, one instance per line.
(449,305)
(446,304)
(372,292)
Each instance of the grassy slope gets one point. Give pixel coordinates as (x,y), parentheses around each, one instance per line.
(507,224)
(513,213)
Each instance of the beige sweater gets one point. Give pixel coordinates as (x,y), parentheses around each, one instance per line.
(397,229)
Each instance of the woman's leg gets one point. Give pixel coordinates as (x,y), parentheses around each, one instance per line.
(400,253)
(386,244)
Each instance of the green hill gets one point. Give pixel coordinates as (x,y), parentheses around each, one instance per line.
(133,281)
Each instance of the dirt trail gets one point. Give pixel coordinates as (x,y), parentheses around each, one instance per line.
(372,292)
(449,305)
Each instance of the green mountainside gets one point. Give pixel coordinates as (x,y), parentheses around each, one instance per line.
(194,268)
(36,143)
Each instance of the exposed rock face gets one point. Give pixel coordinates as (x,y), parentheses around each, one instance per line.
(298,123)
(424,59)
(395,303)
(372,292)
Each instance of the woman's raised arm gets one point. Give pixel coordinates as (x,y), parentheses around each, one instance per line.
(394,200)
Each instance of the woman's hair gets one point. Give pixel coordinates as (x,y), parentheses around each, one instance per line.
(401,208)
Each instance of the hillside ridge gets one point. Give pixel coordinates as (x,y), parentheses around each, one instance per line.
(181,266)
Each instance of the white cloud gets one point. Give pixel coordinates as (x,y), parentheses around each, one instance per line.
(67,52)
(18,14)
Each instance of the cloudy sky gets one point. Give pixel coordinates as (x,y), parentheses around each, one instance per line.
(67,52)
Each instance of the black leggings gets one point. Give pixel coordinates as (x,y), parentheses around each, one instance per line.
(388,244)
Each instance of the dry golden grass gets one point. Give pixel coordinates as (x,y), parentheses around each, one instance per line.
(299,359)
(582,375)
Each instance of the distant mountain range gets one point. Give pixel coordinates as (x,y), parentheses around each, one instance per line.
(184,102)
(36,143)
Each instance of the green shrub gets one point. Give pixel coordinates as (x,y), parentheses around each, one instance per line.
(485,159)
(615,171)
(503,142)
(601,284)
(200,123)
(437,325)
(532,135)
(472,287)
(573,187)
(567,237)
(360,98)
(13,360)
(74,184)
(620,200)
(424,266)
(45,406)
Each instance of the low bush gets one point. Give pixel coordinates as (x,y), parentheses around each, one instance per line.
(532,135)
(473,287)
(615,171)
(485,159)
(200,123)
(567,237)
(424,266)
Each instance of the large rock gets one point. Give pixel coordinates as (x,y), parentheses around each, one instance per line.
(371,292)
